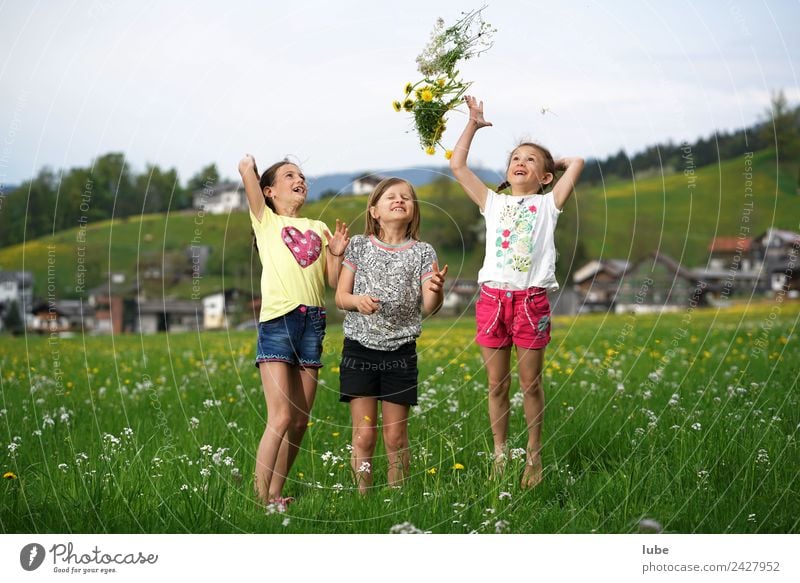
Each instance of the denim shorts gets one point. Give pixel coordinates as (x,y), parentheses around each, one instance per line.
(294,338)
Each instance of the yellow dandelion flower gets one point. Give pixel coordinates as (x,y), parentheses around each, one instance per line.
(432,471)
(9,476)
(409,88)
(448,154)
(426,95)
(440,82)
(458,466)
(408,105)
(396,105)
(430,150)
(301,475)
(309,424)
(335,434)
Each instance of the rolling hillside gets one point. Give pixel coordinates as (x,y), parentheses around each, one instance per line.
(678,213)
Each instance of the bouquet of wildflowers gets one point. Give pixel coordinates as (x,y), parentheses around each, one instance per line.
(441,89)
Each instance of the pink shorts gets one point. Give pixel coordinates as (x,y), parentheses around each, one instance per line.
(506,317)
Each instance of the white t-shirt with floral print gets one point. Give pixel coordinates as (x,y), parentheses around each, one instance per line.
(520,245)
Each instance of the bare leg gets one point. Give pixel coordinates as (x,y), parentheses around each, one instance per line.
(498,371)
(364,413)
(395,438)
(302,399)
(277,382)
(530,382)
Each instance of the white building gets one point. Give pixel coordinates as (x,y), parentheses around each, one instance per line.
(220,199)
(366,184)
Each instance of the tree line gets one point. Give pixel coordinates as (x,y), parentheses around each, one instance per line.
(109,188)
(779,129)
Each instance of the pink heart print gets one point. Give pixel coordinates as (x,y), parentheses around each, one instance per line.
(305,247)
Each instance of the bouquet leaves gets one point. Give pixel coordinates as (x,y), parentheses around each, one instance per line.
(441,88)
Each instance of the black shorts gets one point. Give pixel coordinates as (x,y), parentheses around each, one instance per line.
(385,375)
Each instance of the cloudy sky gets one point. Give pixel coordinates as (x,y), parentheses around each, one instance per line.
(190,83)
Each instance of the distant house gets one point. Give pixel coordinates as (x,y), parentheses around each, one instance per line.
(731,253)
(167,316)
(778,250)
(220,199)
(597,282)
(107,301)
(659,283)
(222,307)
(366,183)
(17,286)
(47,319)
(459,295)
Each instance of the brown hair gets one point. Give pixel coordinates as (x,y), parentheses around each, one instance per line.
(373,227)
(549,164)
(267,180)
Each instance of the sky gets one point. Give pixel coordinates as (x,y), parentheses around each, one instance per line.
(184,84)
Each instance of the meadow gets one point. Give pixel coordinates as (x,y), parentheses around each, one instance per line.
(687,419)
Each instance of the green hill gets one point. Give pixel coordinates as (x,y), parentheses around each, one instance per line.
(678,213)
(681,213)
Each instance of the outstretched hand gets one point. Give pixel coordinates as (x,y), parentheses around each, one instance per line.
(247,164)
(476,111)
(337,243)
(436,282)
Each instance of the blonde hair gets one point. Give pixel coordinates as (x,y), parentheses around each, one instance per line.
(373,226)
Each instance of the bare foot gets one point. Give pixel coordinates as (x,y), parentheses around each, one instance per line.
(499,465)
(532,475)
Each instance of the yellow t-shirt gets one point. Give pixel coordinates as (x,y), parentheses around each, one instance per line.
(292,252)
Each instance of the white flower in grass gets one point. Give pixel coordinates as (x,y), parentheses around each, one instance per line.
(208,403)
(47,421)
(63,467)
(517,453)
(751,517)
(193,423)
(37,433)
(233,425)
(205,472)
(286,521)
(365,467)
(184,487)
(337,487)
(501,526)
(696,426)
(762,457)
(405,528)
(127,433)
(206,449)
(650,525)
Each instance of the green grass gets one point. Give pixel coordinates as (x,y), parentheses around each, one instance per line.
(708,444)
(681,214)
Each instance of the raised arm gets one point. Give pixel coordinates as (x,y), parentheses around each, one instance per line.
(337,243)
(469,181)
(255,198)
(565,186)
